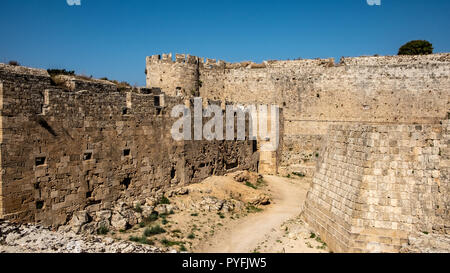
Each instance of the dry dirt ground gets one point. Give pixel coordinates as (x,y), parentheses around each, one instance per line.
(276,229)
(221,215)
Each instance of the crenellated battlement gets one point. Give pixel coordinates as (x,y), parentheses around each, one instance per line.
(208,63)
(271,81)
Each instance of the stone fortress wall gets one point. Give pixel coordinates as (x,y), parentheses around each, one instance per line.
(372,131)
(315,94)
(86,145)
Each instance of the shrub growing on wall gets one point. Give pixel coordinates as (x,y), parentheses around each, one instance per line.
(418,47)
(55,72)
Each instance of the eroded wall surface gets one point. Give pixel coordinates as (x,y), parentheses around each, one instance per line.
(87,146)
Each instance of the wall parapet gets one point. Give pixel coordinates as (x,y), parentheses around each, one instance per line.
(22,70)
(64,151)
(207,63)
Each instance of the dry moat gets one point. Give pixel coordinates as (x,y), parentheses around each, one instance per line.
(362,165)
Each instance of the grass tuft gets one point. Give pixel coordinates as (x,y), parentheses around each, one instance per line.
(102,230)
(141,240)
(164,200)
(138,208)
(248,184)
(299,174)
(154,231)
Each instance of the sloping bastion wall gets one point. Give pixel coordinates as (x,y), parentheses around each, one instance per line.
(87,144)
(376,184)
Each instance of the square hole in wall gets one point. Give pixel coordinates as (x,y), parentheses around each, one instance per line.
(157,101)
(232,165)
(126,152)
(255,146)
(87,156)
(125,111)
(39,161)
(39,205)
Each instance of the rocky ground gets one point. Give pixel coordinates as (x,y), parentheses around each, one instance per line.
(36,239)
(275,229)
(197,212)
(176,220)
(240,212)
(293,236)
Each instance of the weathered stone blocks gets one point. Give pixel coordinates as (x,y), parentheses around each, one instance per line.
(373,204)
(64,151)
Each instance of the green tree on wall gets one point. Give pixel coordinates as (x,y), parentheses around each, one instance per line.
(417,47)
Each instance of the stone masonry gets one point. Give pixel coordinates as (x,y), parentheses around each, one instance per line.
(315,94)
(84,144)
(372,131)
(376,184)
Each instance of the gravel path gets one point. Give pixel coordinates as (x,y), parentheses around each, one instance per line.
(267,231)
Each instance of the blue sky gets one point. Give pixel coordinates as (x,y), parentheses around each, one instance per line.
(110,38)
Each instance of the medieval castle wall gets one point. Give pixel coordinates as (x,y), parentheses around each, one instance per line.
(370,130)
(86,145)
(318,93)
(376,184)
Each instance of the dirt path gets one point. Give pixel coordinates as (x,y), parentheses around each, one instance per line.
(263,231)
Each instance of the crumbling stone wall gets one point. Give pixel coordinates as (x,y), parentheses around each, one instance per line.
(71,149)
(376,184)
(318,93)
